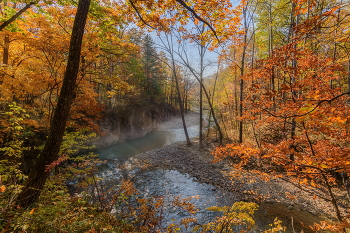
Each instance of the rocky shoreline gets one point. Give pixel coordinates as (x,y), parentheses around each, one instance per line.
(285,197)
(276,197)
(198,163)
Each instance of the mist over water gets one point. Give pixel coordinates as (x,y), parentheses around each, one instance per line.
(155,139)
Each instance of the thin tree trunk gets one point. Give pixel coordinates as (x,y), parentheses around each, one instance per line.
(212,98)
(241,86)
(334,201)
(270,55)
(213,113)
(241,81)
(209,120)
(49,154)
(188,141)
(236,100)
(5,55)
(201,55)
(349,76)
(201,114)
(294,23)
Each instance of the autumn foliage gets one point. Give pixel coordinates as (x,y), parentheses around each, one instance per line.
(281,94)
(295,106)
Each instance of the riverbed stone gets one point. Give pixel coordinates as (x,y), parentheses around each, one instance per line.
(199,165)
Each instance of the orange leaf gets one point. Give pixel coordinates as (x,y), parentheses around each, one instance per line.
(32,211)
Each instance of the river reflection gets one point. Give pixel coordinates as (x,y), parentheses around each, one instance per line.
(123,151)
(156,139)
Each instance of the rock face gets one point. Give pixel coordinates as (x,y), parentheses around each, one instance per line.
(129,122)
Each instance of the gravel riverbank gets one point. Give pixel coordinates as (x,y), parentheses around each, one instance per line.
(285,197)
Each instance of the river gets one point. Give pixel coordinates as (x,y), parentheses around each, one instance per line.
(161,182)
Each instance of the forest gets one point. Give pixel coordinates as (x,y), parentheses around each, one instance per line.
(269,79)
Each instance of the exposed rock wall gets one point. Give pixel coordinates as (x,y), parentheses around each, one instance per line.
(129,122)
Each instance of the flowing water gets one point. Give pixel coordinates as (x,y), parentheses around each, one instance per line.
(171,182)
(156,139)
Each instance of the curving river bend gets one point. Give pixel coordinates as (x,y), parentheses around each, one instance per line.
(171,182)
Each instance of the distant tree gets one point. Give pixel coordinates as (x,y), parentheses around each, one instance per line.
(152,68)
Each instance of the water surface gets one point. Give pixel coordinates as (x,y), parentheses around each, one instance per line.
(160,182)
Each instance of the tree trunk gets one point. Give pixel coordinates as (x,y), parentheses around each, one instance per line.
(188,141)
(49,154)
(293,78)
(241,81)
(201,107)
(5,55)
(349,76)
(212,111)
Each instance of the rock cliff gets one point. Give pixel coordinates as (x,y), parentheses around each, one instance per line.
(129,122)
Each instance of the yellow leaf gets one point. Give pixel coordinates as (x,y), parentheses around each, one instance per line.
(2,188)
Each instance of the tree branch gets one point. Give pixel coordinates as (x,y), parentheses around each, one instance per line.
(308,112)
(139,15)
(15,16)
(198,17)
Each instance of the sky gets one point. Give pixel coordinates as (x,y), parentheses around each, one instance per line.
(210,58)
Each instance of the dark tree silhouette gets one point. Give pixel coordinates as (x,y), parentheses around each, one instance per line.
(39,174)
